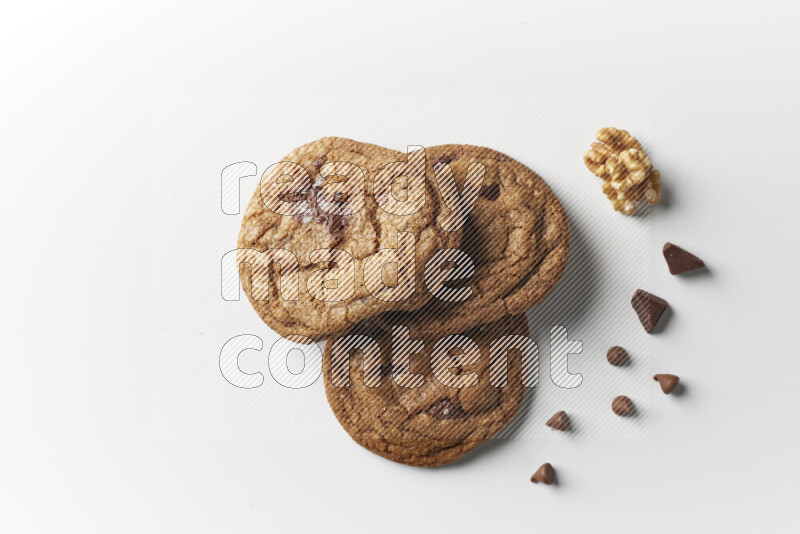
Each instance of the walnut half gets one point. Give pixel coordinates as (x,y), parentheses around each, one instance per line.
(627,173)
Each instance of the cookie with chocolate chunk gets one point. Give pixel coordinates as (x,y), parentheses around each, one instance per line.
(427,402)
(323,214)
(516,236)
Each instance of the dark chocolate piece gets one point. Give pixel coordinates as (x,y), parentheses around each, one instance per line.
(649,308)
(333,222)
(680,261)
(490,192)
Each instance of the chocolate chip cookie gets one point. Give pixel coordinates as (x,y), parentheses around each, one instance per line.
(516,236)
(328,213)
(427,402)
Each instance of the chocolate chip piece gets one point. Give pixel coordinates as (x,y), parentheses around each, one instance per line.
(491,192)
(680,261)
(622,405)
(295,196)
(559,421)
(441,160)
(386,369)
(332,222)
(545,474)
(668,382)
(446,409)
(649,308)
(617,356)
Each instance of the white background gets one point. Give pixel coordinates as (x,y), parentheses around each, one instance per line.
(79,448)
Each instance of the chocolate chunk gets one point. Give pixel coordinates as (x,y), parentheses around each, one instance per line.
(446,409)
(668,382)
(680,261)
(332,222)
(545,474)
(617,356)
(490,192)
(559,421)
(649,308)
(622,405)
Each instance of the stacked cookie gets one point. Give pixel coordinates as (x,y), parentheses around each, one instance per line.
(417,269)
